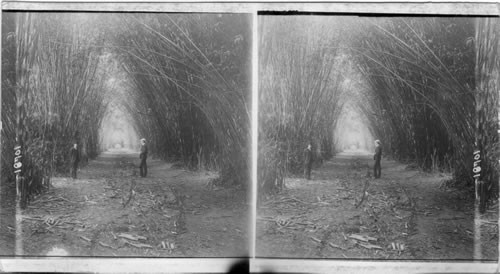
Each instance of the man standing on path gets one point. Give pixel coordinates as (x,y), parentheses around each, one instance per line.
(377,169)
(308,161)
(143,155)
(74,157)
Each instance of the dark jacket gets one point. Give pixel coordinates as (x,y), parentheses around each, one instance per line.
(378,153)
(74,156)
(308,157)
(144,152)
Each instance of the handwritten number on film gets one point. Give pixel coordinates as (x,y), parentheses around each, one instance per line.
(17,159)
(477,168)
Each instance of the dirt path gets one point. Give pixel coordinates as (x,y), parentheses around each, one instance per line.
(110,211)
(404,215)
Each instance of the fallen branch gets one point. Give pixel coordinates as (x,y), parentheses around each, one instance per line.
(85,238)
(370,246)
(33,219)
(131,193)
(64,199)
(365,187)
(105,245)
(407,195)
(345,238)
(489,222)
(268,219)
(131,237)
(315,239)
(138,245)
(362,238)
(335,246)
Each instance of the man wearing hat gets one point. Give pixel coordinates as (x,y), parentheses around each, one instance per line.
(308,161)
(143,155)
(377,157)
(74,157)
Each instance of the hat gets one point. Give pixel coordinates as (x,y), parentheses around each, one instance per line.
(143,140)
(377,141)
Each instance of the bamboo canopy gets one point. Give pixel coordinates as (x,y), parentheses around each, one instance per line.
(191,88)
(427,87)
(181,80)
(432,71)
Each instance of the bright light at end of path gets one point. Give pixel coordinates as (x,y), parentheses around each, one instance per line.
(117,131)
(352,134)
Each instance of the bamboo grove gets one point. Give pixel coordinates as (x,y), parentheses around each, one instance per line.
(434,71)
(428,90)
(50,91)
(190,88)
(300,95)
(183,80)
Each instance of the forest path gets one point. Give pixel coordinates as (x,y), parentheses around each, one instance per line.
(406,214)
(171,213)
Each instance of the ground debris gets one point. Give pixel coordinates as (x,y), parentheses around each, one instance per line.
(131,193)
(50,199)
(292,222)
(284,199)
(365,193)
(363,238)
(315,239)
(489,223)
(167,245)
(138,245)
(55,221)
(150,213)
(105,245)
(369,246)
(398,246)
(335,246)
(131,237)
(84,238)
